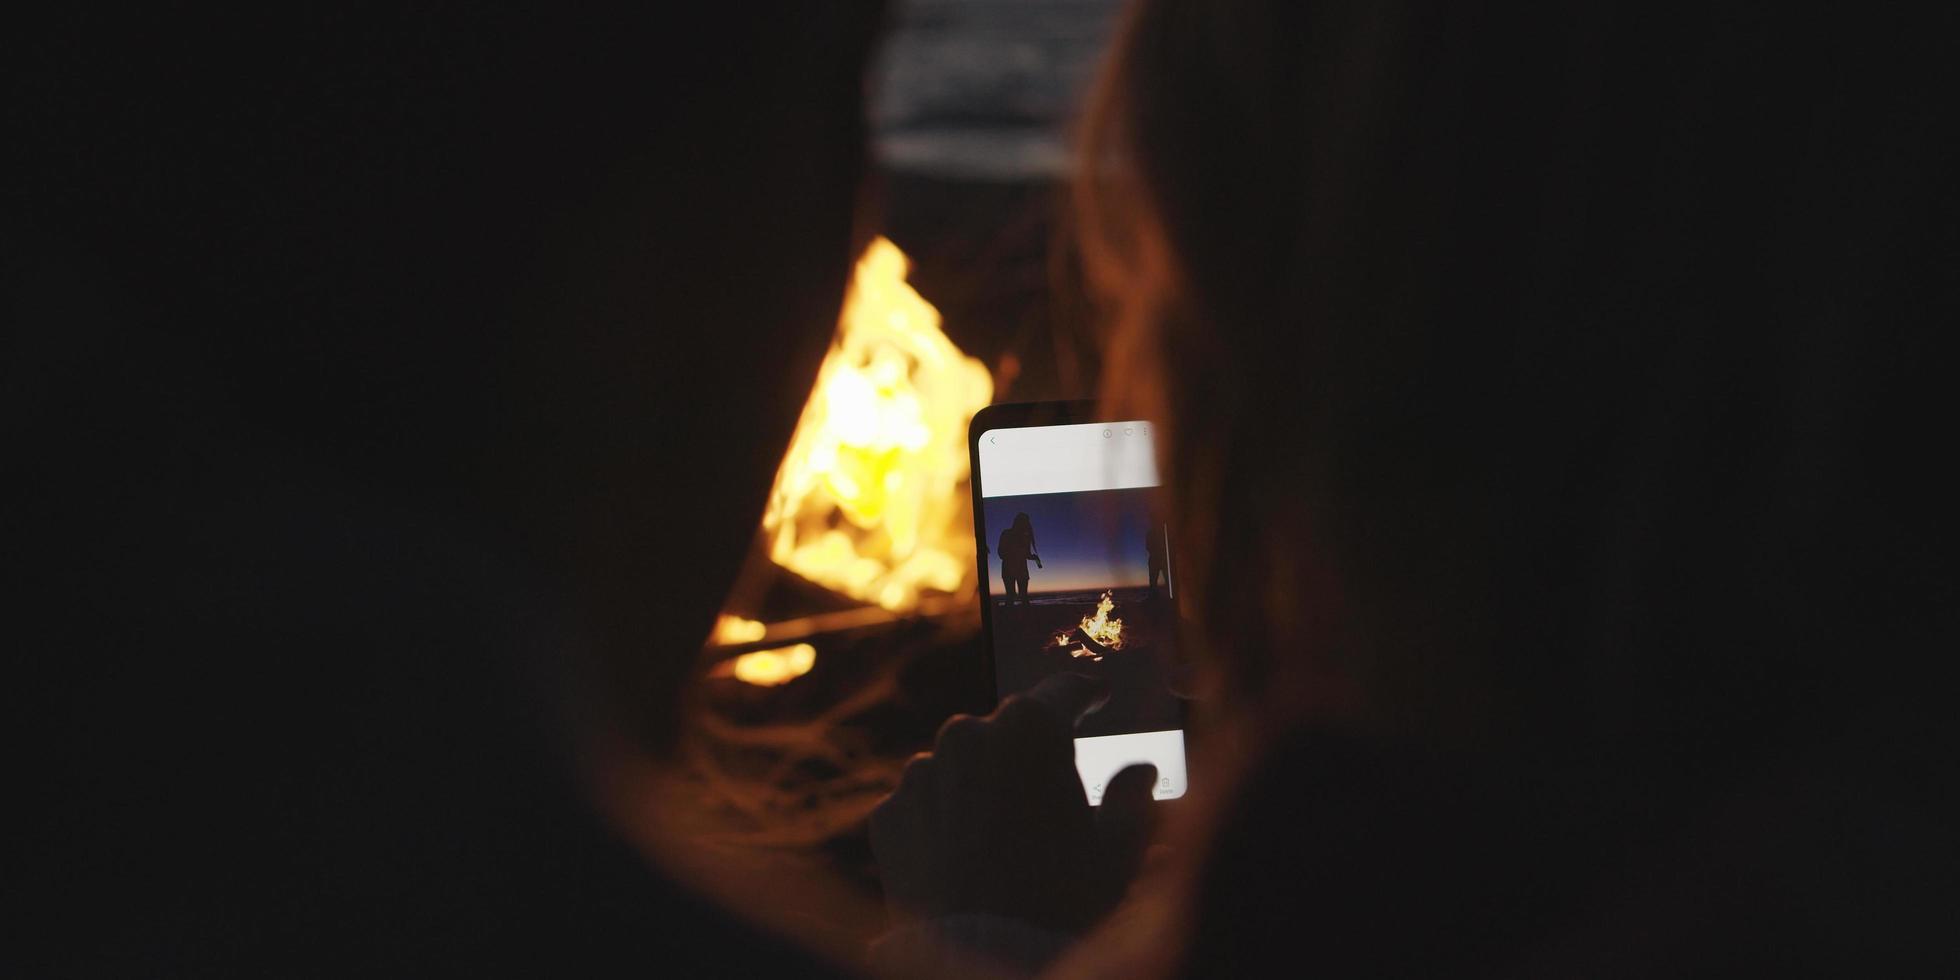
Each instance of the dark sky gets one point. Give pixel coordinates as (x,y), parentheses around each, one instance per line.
(1086,540)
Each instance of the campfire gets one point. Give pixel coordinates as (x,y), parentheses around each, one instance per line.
(1101,633)
(870,501)
(867,501)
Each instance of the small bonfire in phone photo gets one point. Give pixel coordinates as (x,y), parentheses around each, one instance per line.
(1096,635)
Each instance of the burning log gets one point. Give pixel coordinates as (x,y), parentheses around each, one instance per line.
(1098,649)
(1096,636)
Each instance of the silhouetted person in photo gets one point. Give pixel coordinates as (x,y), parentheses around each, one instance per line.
(1017,548)
(1157,547)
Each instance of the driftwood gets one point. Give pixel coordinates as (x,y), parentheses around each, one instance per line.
(1077,636)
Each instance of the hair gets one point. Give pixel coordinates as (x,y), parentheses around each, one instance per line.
(1520,374)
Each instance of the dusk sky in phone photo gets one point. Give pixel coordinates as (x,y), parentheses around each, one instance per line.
(1090,540)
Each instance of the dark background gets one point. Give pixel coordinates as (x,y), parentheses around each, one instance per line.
(973,103)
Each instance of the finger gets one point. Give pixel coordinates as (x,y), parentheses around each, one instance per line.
(916,774)
(1127,819)
(1032,738)
(959,737)
(913,804)
(896,841)
(1069,696)
(886,823)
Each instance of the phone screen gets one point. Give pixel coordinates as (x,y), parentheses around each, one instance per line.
(1076,566)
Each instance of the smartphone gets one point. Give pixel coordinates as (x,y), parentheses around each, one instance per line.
(1076,574)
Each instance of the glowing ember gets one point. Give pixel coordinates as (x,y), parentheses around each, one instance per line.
(730,630)
(1084,651)
(769,668)
(1101,628)
(868,501)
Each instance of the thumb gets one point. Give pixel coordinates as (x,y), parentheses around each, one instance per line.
(1070,696)
(1126,820)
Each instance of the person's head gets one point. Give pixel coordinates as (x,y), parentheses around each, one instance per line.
(1021,522)
(1517,372)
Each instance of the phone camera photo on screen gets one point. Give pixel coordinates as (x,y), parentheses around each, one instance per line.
(1076,576)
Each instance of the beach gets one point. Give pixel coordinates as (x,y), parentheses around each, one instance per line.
(1026,649)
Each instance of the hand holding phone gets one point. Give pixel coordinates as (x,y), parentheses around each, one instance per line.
(1041,810)
(993,820)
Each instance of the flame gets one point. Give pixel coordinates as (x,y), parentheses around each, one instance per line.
(1084,651)
(769,668)
(1064,638)
(867,501)
(1101,628)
